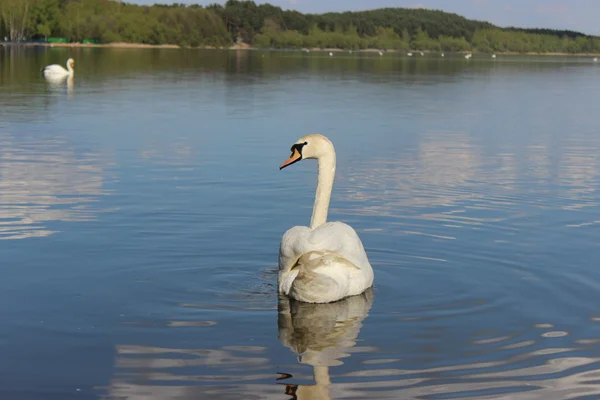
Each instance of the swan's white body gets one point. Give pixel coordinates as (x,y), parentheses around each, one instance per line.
(54,72)
(325,262)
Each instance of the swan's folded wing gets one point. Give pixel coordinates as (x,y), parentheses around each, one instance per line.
(335,237)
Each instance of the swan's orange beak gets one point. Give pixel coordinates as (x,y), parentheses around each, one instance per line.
(296,156)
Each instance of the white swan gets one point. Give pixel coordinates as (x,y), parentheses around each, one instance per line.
(55,71)
(326,261)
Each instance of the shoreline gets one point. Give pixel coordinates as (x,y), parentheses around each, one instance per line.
(123,45)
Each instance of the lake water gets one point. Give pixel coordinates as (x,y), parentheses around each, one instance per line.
(141,209)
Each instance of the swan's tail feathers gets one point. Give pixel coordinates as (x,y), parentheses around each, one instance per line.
(322,276)
(312,287)
(322,259)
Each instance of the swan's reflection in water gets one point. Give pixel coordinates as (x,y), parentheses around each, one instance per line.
(58,83)
(321,335)
(324,335)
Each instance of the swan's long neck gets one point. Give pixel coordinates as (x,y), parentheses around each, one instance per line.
(324,187)
(69,68)
(321,374)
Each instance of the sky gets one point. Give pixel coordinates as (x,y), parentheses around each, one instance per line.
(578,15)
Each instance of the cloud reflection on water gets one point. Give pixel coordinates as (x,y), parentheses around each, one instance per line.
(321,334)
(325,336)
(42,181)
(450,177)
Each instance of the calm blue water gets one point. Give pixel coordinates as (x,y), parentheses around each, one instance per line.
(141,208)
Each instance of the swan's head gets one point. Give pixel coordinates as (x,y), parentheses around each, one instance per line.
(309,146)
(71,62)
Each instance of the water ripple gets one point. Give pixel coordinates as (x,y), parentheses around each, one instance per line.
(44,181)
(326,338)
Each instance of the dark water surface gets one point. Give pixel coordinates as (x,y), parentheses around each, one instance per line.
(141,209)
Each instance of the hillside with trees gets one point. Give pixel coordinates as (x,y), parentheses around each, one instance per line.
(268,26)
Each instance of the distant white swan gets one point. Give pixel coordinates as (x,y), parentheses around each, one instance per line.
(380,53)
(55,71)
(409,54)
(595,59)
(443,55)
(493,56)
(330,54)
(326,261)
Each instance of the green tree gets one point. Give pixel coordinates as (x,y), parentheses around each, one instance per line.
(15,16)
(422,41)
(43,30)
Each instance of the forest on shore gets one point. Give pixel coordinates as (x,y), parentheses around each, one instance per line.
(268,26)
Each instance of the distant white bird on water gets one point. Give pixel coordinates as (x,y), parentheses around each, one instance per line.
(409,54)
(443,55)
(380,53)
(468,56)
(595,59)
(422,53)
(55,71)
(493,56)
(330,54)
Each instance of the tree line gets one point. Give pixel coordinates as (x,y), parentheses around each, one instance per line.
(268,26)
(111,21)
